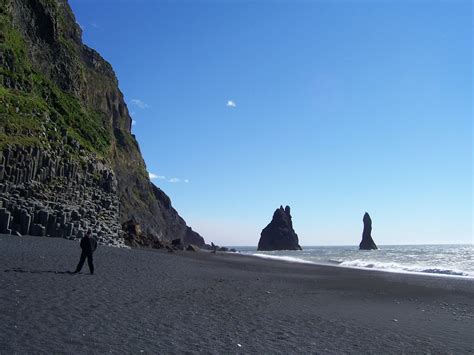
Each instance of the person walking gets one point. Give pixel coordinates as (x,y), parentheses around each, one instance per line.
(88,246)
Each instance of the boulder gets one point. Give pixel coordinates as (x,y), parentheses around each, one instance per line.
(132,228)
(192,247)
(192,237)
(279,233)
(177,244)
(37,230)
(367,243)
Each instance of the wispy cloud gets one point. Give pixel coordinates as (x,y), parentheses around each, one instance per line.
(231,103)
(134,122)
(175,180)
(155,176)
(139,103)
(95,25)
(172,180)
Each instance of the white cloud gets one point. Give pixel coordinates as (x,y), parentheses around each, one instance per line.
(231,103)
(134,122)
(154,176)
(139,103)
(162,177)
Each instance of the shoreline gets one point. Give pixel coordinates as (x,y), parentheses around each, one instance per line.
(426,259)
(336,264)
(152,300)
(451,282)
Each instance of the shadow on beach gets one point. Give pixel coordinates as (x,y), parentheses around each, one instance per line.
(22,270)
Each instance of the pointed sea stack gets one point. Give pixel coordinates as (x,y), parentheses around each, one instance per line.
(279,234)
(367,242)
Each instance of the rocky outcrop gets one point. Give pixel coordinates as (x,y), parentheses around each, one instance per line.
(367,243)
(44,193)
(65,137)
(279,233)
(192,247)
(191,237)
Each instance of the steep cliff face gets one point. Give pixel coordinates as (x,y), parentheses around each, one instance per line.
(59,98)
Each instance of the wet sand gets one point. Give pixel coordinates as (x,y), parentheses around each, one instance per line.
(143,301)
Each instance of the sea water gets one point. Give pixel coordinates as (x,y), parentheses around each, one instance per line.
(447,260)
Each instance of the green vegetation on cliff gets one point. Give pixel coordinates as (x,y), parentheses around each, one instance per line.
(34,111)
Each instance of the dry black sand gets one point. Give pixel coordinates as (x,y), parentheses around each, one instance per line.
(143,301)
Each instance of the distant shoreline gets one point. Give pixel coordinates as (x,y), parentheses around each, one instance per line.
(350,257)
(430,274)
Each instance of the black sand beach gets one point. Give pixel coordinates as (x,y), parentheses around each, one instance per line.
(143,301)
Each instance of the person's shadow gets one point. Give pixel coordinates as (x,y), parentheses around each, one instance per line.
(22,270)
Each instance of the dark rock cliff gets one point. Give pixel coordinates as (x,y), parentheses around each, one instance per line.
(65,130)
(367,243)
(279,233)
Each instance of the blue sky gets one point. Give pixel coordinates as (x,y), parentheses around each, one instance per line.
(332,107)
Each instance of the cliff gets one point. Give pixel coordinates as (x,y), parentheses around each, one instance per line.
(66,148)
(279,233)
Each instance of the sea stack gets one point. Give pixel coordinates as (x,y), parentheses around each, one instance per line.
(279,233)
(367,242)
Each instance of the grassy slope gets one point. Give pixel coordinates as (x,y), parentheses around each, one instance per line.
(38,112)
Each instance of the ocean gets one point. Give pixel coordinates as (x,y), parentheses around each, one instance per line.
(441,260)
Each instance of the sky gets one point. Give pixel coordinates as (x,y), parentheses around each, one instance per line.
(332,107)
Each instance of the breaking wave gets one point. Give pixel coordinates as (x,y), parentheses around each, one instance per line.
(439,260)
(395,267)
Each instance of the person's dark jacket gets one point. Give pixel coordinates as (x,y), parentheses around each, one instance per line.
(88,244)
